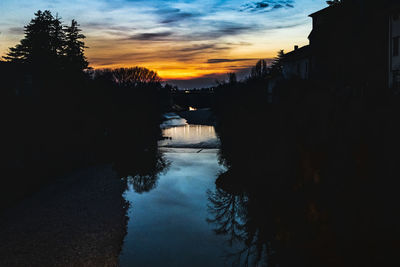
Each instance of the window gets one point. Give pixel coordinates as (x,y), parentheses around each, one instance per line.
(396,47)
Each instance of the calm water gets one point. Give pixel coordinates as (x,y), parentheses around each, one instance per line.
(168,225)
(188,210)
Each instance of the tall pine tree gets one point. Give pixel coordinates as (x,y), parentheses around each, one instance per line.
(74,47)
(276,66)
(57,40)
(49,44)
(37,47)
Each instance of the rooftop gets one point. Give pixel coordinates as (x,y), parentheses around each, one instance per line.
(298,53)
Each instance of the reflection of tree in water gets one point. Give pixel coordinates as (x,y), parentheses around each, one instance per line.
(143,184)
(235,217)
(142,170)
(316,217)
(146,179)
(228,211)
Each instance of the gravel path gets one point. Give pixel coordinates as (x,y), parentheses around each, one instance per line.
(79,220)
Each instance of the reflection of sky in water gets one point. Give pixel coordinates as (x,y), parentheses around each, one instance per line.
(167,226)
(201,136)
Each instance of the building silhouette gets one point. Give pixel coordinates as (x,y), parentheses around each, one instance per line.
(394,49)
(296,64)
(353,44)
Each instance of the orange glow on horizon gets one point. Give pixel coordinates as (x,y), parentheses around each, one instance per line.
(179,40)
(173,70)
(178,72)
(170,60)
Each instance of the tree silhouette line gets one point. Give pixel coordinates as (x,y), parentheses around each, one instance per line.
(311,174)
(50,44)
(60,114)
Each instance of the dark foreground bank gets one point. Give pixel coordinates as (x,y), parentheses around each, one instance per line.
(316,182)
(79,220)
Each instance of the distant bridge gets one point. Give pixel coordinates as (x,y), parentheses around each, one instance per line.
(194,98)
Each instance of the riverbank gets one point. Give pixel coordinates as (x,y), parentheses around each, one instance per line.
(183,132)
(199,117)
(78,220)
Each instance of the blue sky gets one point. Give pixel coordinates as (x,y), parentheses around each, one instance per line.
(179,39)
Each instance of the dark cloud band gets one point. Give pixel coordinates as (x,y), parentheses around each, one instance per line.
(223,60)
(150,36)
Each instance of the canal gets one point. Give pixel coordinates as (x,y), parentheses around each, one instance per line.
(169,225)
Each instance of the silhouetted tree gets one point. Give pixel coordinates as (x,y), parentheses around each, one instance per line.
(259,70)
(135,76)
(41,43)
(60,119)
(334,2)
(276,66)
(57,39)
(48,44)
(74,47)
(232,78)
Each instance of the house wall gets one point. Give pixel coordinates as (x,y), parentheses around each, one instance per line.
(332,46)
(349,47)
(394,60)
(297,68)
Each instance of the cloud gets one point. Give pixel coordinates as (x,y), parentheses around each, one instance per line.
(223,60)
(233,29)
(159,36)
(219,29)
(267,5)
(286,26)
(173,15)
(210,31)
(261,5)
(201,48)
(16,30)
(180,39)
(107,26)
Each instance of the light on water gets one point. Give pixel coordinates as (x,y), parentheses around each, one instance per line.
(190,136)
(168,225)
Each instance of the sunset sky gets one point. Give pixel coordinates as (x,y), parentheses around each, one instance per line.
(194,41)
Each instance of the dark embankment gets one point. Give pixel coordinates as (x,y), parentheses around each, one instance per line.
(78,220)
(199,117)
(87,122)
(315,183)
(58,115)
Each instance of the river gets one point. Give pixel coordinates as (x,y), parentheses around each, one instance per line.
(97,216)
(168,226)
(184,208)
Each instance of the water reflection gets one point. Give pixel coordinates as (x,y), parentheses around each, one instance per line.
(238,217)
(193,136)
(319,216)
(143,184)
(168,214)
(167,225)
(142,170)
